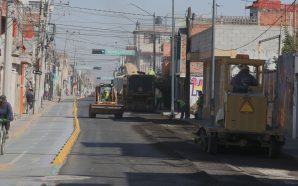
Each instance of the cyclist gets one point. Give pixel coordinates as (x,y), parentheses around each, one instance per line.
(6,112)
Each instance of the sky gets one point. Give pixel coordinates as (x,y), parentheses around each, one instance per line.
(89,29)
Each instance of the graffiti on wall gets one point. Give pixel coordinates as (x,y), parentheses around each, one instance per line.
(196,85)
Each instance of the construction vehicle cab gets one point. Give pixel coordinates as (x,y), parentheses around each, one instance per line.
(240,109)
(105,102)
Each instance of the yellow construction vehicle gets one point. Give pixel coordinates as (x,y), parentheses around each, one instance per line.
(105,102)
(239,110)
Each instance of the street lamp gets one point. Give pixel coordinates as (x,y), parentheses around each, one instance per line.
(154,34)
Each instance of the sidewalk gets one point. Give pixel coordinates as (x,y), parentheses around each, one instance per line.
(290,148)
(22,122)
(34,141)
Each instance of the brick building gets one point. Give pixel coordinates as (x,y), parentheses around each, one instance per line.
(273,12)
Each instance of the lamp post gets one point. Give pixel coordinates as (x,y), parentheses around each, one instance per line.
(154,33)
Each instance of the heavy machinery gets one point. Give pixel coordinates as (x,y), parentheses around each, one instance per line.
(240,113)
(105,102)
(135,90)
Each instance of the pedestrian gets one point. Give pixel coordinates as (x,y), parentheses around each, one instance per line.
(46,91)
(200,104)
(6,113)
(30,99)
(59,94)
(181,108)
(158,95)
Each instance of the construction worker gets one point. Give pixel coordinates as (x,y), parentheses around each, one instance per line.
(181,107)
(242,80)
(106,96)
(200,103)
(151,72)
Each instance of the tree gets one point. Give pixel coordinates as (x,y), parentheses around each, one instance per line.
(287,42)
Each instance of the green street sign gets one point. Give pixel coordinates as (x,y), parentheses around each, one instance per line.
(38,72)
(114,52)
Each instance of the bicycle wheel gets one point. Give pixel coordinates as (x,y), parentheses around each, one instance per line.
(2,140)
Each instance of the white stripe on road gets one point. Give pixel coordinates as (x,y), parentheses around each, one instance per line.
(18,158)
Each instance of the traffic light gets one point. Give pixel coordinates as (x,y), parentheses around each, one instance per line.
(96,68)
(98,51)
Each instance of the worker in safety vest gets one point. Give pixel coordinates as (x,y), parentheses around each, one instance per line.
(181,107)
(106,95)
(151,72)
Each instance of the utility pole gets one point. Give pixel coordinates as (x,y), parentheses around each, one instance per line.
(39,60)
(154,44)
(45,11)
(187,75)
(137,45)
(172,64)
(213,62)
(75,70)
(1,74)
(294,27)
(8,50)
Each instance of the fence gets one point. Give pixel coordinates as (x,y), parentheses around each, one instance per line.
(285,91)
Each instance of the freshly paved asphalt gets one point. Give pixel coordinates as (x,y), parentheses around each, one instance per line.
(34,142)
(146,149)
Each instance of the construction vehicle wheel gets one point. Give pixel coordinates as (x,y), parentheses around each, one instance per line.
(274,149)
(203,140)
(118,116)
(92,115)
(212,144)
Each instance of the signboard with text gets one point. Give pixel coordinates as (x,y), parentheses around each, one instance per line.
(113,52)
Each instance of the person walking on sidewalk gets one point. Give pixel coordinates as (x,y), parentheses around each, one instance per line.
(181,107)
(6,112)
(30,99)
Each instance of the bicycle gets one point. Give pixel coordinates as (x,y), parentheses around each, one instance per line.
(2,135)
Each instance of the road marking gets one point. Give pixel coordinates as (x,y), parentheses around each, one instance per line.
(65,178)
(265,173)
(5,166)
(18,158)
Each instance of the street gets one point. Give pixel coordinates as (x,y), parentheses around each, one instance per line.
(148,93)
(148,149)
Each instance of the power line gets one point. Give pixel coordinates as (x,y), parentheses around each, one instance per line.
(89,42)
(261,33)
(106,11)
(98,35)
(92,28)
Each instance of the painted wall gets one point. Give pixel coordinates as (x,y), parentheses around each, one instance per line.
(231,37)
(196,85)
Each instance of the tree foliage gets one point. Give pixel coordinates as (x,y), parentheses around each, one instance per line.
(288,46)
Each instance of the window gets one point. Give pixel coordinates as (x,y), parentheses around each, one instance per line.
(34,5)
(148,38)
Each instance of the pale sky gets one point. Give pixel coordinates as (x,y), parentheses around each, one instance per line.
(103,29)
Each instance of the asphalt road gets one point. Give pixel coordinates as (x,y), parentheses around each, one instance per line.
(146,149)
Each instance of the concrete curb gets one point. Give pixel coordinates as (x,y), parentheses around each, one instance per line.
(65,150)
